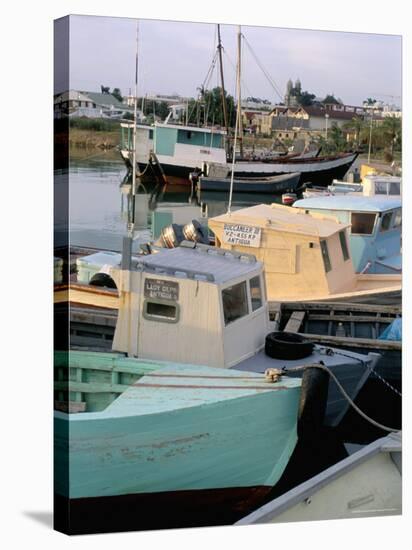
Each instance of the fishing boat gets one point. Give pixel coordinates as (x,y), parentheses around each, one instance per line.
(181,149)
(143,444)
(363,328)
(371,186)
(375,231)
(365,484)
(239,340)
(273,184)
(306,255)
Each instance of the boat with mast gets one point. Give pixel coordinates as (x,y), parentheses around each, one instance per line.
(207,150)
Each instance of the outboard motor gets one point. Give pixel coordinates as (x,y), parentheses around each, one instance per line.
(194,231)
(171,236)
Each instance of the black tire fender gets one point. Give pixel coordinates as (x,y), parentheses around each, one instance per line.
(287,345)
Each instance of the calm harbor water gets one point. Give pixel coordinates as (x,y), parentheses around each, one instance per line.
(99,203)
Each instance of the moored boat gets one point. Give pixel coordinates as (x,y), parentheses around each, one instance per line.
(155,445)
(367,483)
(375,228)
(273,184)
(306,255)
(218,281)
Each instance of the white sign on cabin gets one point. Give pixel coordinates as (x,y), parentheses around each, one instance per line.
(159,288)
(245,235)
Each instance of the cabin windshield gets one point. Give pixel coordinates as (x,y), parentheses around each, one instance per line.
(387,188)
(362,223)
(235,302)
(255,293)
(398,218)
(386,221)
(325,256)
(344,245)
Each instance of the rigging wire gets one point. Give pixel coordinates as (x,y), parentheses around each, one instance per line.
(267,75)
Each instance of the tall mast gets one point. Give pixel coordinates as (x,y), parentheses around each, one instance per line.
(225,118)
(128,240)
(239,99)
(237,127)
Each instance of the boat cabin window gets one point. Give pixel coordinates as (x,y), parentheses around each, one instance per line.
(387,188)
(386,221)
(157,310)
(398,218)
(325,255)
(255,293)
(235,302)
(344,245)
(362,223)
(150,134)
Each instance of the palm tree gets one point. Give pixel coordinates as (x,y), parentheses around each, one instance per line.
(356,125)
(391,129)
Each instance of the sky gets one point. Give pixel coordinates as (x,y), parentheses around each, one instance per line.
(174,57)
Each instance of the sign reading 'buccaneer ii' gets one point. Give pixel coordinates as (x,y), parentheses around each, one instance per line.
(159,288)
(234,233)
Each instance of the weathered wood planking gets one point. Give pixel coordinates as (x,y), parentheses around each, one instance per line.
(295,321)
(347,341)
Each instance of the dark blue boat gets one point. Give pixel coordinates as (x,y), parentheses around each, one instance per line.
(273,184)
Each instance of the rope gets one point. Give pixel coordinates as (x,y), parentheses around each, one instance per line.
(267,75)
(345,395)
(381,378)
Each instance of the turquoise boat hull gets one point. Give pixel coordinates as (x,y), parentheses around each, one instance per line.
(183,439)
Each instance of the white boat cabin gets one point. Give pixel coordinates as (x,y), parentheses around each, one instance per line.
(193,304)
(371,186)
(174,144)
(306,255)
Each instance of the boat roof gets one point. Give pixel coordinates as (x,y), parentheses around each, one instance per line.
(350,202)
(207,130)
(201,262)
(284,219)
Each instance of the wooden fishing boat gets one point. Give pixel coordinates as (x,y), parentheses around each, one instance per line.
(375,228)
(273,184)
(306,255)
(154,445)
(365,484)
(353,327)
(212,340)
(320,171)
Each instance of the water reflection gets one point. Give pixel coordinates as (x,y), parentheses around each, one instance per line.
(100,203)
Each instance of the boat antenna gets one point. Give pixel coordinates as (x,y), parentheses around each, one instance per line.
(239,99)
(128,240)
(225,117)
(237,126)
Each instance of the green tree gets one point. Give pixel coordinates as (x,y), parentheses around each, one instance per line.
(358,126)
(330,98)
(209,108)
(391,129)
(306,99)
(162,109)
(116,92)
